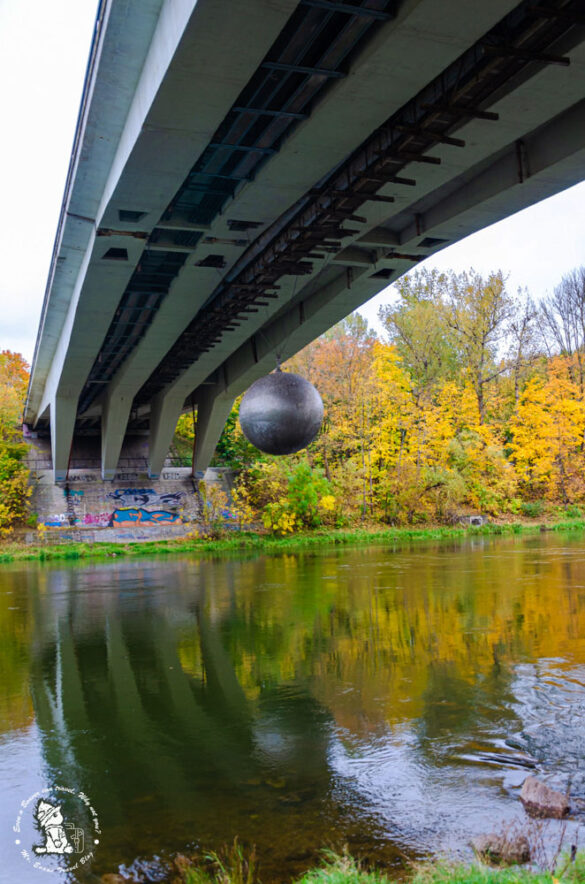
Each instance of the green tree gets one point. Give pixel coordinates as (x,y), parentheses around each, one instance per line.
(416,326)
(478,312)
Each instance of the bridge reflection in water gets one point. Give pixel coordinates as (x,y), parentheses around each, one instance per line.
(139,705)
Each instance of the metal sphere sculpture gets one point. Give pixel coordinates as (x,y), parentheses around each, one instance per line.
(281,413)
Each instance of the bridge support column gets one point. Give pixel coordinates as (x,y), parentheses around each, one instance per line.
(164,414)
(213,409)
(115,414)
(63,414)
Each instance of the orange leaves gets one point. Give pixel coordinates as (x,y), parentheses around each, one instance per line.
(14,371)
(13,384)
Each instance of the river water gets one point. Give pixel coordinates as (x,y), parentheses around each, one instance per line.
(390,699)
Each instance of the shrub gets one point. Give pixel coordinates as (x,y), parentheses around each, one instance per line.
(14,486)
(532,509)
(288,497)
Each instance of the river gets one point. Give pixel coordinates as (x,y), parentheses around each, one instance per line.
(390,699)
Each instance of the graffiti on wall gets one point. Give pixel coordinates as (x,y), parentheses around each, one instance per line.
(129,502)
(99,520)
(57,520)
(128,497)
(72,500)
(139,515)
(128,515)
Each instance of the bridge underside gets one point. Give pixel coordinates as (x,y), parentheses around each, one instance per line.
(268,167)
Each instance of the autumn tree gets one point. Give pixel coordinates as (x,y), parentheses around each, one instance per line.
(14,476)
(547,432)
(523,340)
(477,312)
(562,317)
(13,385)
(416,326)
(339,365)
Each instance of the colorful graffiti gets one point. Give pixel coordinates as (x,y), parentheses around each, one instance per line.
(57,520)
(142,496)
(129,515)
(136,515)
(100,520)
(129,508)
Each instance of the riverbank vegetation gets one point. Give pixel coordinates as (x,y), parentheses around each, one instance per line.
(237,866)
(345,870)
(250,541)
(15,489)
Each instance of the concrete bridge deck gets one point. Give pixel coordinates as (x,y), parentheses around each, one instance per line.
(244,175)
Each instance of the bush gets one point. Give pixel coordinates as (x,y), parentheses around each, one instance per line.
(214,510)
(309,495)
(532,509)
(288,497)
(14,486)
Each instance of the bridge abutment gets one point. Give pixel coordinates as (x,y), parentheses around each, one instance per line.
(132,505)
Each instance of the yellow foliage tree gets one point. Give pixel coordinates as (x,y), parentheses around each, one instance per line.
(547,430)
(14,476)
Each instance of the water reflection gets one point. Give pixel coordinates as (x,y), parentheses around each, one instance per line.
(139,705)
(390,699)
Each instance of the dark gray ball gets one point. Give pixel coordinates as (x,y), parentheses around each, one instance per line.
(281,413)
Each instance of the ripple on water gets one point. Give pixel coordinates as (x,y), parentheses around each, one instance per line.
(550,703)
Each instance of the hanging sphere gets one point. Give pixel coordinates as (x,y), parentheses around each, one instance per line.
(281,413)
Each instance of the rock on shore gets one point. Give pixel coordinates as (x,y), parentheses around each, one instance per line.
(540,800)
(502,850)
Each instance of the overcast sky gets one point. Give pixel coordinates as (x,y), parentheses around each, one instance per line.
(43,54)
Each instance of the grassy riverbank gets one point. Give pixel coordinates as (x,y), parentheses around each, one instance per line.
(344,870)
(13,551)
(236,868)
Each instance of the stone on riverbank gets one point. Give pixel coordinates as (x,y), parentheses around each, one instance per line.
(542,801)
(502,850)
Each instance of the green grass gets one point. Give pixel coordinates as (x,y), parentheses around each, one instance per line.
(478,874)
(235,868)
(345,870)
(246,541)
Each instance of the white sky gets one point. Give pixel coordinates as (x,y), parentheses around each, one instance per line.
(43,54)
